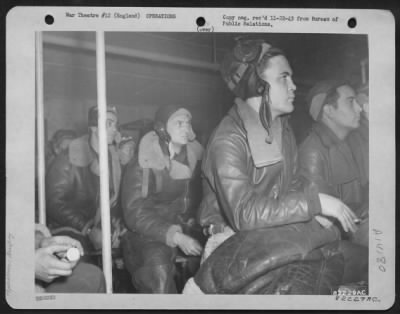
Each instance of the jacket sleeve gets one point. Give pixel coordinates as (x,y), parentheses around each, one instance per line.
(61,205)
(242,205)
(140,212)
(297,183)
(312,170)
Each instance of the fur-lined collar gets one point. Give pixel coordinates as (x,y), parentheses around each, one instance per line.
(152,157)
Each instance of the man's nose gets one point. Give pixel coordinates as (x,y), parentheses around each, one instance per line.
(357,106)
(292,85)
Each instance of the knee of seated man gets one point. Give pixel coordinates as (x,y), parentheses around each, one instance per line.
(85,278)
(91,277)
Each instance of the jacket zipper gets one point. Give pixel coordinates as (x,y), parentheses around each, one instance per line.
(185,197)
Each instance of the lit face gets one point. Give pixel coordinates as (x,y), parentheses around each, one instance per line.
(126,152)
(111,128)
(179,128)
(64,144)
(347,113)
(279,76)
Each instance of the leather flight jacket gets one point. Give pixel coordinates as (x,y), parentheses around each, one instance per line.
(298,258)
(328,164)
(73,186)
(252,188)
(239,193)
(158,200)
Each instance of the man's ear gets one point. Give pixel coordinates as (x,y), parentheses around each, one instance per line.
(327,110)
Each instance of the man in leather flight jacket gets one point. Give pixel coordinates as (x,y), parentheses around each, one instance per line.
(327,161)
(266,229)
(73,182)
(160,192)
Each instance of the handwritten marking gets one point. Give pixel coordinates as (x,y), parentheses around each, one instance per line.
(10,244)
(379,248)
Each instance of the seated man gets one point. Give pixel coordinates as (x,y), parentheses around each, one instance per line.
(326,160)
(159,194)
(73,183)
(358,140)
(126,150)
(258,216)
(56,275)
(59,142)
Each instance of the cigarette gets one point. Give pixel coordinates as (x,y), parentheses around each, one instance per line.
(71,255)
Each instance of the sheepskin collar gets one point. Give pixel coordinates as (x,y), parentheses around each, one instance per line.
(151,156)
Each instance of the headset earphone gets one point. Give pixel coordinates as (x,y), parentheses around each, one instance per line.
(249,53)
(160,129)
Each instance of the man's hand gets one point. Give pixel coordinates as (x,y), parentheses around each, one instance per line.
(62,240)
(323,221)
(48,266)
(335,208)
(188,245)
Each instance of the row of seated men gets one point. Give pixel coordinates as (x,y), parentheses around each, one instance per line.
(264,217)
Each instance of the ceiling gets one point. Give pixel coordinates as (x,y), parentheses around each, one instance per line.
(312,56)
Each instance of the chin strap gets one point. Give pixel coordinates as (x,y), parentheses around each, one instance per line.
(265,114)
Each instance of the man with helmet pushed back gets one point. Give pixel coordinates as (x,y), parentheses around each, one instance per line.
(73,184)
(326,157)
(161,191)
(265,231)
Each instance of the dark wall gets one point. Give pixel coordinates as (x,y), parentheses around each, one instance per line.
(137,87)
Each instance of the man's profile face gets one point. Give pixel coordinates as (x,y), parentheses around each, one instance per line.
(347,113)
(279,76)
(111,128)
(126,152)
(179,128)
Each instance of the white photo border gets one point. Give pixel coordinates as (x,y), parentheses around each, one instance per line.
(23,22)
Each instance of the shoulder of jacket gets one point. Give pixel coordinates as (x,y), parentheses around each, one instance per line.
(230,127)
(79,152)
(312,150)
(196,149)
(150,154)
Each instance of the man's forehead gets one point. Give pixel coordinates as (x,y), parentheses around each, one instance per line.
(184,117)
(279,65)
(346,91)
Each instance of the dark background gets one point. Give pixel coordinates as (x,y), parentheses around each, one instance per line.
(183,70)
(392,5)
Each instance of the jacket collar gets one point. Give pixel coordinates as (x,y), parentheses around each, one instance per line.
(151,156)
(327,136)
(82,155)
(344,168)
(263,154)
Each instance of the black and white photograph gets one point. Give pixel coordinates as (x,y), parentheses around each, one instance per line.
(190,165)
